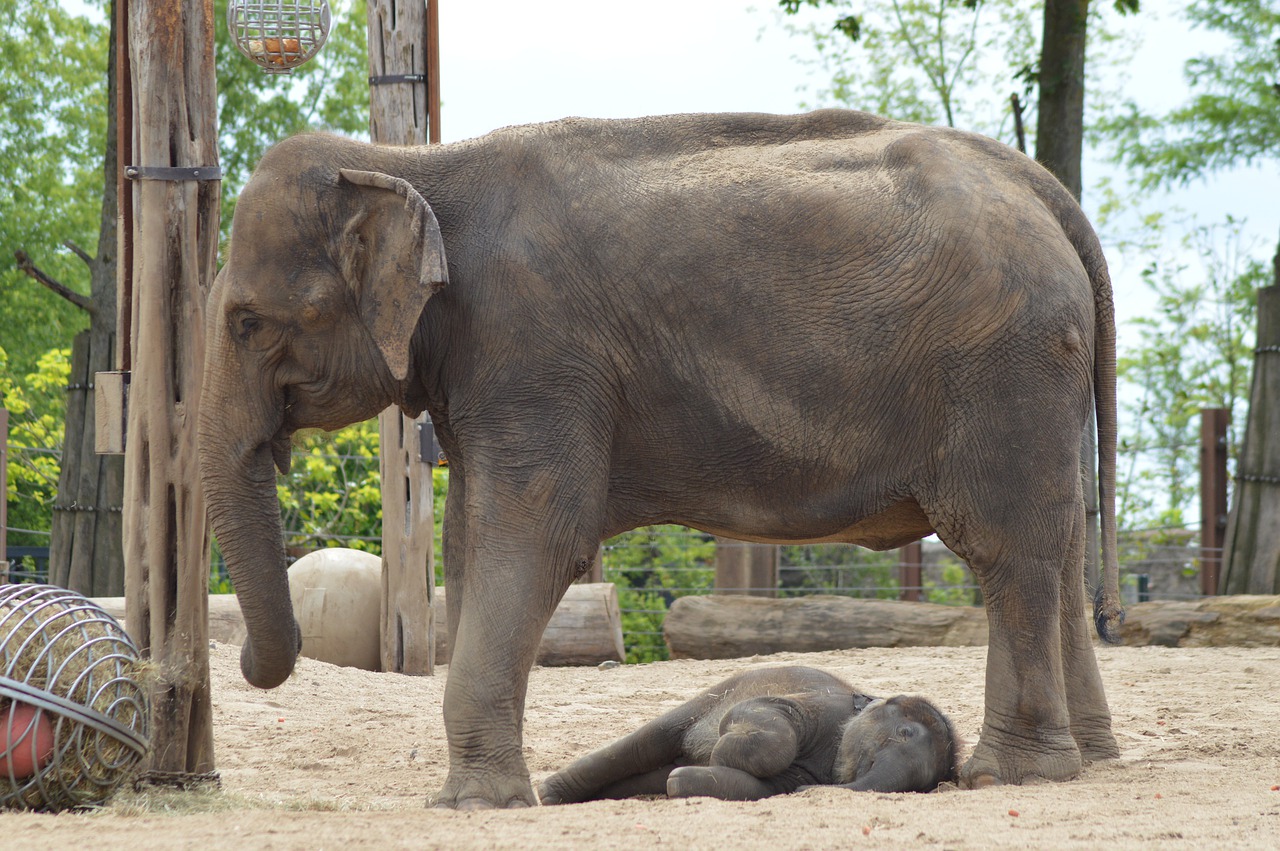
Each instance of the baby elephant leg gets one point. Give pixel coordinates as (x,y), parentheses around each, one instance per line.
(758,736)
(717,781)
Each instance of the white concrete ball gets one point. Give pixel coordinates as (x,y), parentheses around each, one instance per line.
(337,599)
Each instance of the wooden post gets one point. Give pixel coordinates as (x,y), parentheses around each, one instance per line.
(746,568)
(1251,562)
(1213,495)
(85,552)
(403,110)
(911,572)
(173,230)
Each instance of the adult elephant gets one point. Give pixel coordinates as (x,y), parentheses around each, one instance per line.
(825,327)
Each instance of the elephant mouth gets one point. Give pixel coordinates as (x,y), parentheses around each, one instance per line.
(281,450)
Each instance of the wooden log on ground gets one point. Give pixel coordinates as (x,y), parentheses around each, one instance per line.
(727,627)
(1246,620)
(586,628)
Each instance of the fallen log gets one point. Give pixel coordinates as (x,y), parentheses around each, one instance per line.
(586,628)
(1245,620)
(726,627)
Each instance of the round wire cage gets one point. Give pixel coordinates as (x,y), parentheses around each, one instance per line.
(74,719)
(279,35)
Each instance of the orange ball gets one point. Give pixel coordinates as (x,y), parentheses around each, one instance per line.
(26,741)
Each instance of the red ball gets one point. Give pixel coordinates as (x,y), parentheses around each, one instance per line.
(26,740)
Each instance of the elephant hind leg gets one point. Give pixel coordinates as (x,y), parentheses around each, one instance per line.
(1086,700)
(1016,543)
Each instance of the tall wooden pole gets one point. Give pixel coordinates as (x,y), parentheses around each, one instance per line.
(404,98)
(1213,495)
(169,153)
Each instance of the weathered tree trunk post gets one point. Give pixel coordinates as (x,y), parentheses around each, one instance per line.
(1213,495)
(86,550)
(746,568)
(404,110)
(1251,562)
(169,246)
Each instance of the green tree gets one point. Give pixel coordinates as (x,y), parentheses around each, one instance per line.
(1194,351)
(35,403)
(1233,115)
(52,125)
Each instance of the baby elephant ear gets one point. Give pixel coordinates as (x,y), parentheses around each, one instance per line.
(393,259)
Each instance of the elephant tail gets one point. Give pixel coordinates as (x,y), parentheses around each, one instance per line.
(1108,614)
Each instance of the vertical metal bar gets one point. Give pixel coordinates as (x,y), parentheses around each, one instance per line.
(1213,495)
(911,572)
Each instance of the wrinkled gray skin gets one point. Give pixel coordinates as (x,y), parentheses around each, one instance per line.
(769,732)
(827,327)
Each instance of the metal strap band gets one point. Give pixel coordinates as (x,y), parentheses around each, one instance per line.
(1266,350)
(151,172)
(397,78)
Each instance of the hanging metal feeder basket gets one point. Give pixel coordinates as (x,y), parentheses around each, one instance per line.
(278,35)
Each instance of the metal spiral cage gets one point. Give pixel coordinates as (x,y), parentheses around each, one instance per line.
(278,35)
(74,719)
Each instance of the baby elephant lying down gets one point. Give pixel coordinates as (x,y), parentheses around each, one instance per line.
(770,731)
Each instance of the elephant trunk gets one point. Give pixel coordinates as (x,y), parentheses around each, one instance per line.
(240,490)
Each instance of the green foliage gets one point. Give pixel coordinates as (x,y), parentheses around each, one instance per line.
(256,109)
(652,566)
(1195,351)
(36,405)
(839,569)
(932,61)
(952,590)
(52,126)
(1234,116)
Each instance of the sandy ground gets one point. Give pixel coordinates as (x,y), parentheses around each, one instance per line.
(340,758)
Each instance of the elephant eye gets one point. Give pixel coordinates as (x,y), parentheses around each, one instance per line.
(246,325)
(906,731)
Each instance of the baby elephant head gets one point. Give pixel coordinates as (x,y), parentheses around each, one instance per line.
(903,744)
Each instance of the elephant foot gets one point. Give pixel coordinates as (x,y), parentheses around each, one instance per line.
(1004,762)
(1096,742)
(485,791)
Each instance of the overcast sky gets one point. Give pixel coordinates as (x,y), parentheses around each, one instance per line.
(512,61)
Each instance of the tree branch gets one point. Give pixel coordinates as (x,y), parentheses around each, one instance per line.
(79,252)
(25,264)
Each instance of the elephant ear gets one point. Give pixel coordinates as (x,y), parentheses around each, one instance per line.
(393,258)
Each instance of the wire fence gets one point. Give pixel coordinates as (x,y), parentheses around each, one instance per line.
(653,566)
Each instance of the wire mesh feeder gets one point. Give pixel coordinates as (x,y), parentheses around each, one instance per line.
(278,35)
(73,710)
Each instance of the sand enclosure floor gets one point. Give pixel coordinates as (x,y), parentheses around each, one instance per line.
(341,758)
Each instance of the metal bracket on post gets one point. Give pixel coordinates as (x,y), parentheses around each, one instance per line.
(429,451)
(385,79)
(149,172)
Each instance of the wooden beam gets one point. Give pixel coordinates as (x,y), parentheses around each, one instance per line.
(746,568)
(173,230)
(400,60)
(4,484)
(1213,495)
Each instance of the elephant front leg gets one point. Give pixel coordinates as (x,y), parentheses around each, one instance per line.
(512,586)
